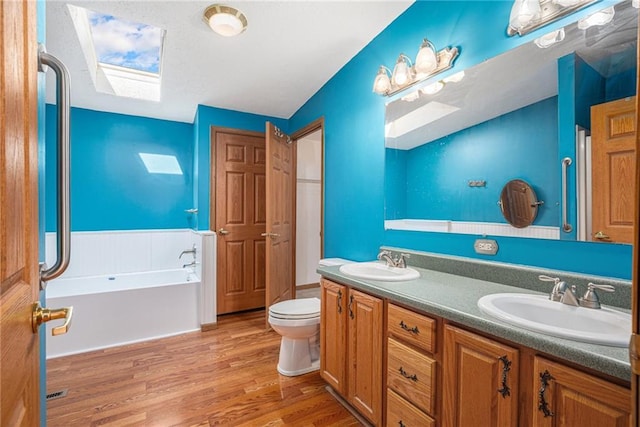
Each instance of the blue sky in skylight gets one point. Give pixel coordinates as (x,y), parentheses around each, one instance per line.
(125,43)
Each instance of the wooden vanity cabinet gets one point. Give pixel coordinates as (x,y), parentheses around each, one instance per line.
(411,368)
(480,384)
(333,335)
(565,397)
(351,347)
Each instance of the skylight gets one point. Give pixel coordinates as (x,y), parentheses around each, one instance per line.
(124,57)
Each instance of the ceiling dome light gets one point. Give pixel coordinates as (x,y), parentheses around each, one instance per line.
(225,20)
(427,59)
(599,18)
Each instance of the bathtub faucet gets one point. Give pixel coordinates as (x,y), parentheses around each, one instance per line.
(191,251)
(191,264)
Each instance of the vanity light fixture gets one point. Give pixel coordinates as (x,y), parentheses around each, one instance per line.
(428,63)
(225,20)
(529,15)
(550,39)
(602,17)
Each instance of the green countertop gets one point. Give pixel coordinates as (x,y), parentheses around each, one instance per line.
(455,298)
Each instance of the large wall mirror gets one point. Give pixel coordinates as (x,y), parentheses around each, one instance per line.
(518,116)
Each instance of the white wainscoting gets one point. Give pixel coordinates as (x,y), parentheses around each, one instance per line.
(479,228)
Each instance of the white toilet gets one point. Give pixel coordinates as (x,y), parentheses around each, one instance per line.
(298,321)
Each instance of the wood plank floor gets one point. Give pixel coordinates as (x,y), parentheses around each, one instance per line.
(222,377)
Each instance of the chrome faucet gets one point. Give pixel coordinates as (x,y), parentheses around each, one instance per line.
(399,262)
(191,264)
(561,292)
(191,251)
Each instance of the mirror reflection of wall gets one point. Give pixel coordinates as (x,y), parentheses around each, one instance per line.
(512,117)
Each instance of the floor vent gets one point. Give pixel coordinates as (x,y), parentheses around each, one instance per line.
(57,394)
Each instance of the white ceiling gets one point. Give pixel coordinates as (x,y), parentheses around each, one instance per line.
(289,50)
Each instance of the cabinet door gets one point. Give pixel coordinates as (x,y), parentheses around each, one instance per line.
(566,397)
(365,355)
(333,335)
(480,381)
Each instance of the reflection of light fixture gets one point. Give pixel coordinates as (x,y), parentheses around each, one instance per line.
(428,63)
(529,15)
(410,97)
(454,78)
(599,18)
(224,20)
(550,39)
(635,3)
(433,88)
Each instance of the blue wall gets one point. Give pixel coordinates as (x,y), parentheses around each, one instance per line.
(110,186)
(522,144)
(354,142)
(205,118)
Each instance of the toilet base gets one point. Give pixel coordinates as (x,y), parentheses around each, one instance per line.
(314,367)
(298,356)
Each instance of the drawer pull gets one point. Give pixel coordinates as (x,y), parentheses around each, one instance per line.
(339,301)
(506,367)
(351,315)
(543,405)
(413,330)
(404,373)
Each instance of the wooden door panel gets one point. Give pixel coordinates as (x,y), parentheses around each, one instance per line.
(239,211)
(613,170)
(279,211)
(19,278)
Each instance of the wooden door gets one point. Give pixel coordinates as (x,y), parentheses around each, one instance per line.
(365,355)
(333,335)
(480,384)
(613,140)
(564,397)
(19,277)
(280,192)
(240,218)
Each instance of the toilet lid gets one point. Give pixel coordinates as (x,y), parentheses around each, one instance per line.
(302,308)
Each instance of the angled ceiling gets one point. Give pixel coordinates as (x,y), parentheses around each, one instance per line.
(289,50)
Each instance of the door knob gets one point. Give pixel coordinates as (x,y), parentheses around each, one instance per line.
(42,315)
(223,232)
(601,236)
(272,235)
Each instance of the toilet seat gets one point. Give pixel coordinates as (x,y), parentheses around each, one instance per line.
(296,309)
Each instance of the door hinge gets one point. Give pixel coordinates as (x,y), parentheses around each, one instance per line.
(634,353)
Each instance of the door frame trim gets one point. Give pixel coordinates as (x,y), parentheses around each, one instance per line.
(317,124)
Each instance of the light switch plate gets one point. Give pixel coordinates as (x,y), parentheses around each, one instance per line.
(486,246)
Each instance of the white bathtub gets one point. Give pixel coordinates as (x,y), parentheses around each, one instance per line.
(121,309)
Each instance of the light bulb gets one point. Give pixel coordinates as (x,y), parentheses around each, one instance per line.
(599,18)
(427,59)
(523,12)
(382,84)
(401,72)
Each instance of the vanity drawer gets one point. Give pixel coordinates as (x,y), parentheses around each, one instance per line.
(412,375)
(402,413)
(412,327)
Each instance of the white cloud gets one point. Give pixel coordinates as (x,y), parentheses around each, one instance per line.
(124,43)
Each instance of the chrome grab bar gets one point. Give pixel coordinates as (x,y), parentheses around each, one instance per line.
(566,227)
(63,246)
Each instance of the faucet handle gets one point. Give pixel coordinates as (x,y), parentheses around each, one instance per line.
(401,261)
(590,298)
(559,287)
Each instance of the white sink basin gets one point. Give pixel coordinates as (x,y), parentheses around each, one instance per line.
(537,313)
(379,271)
